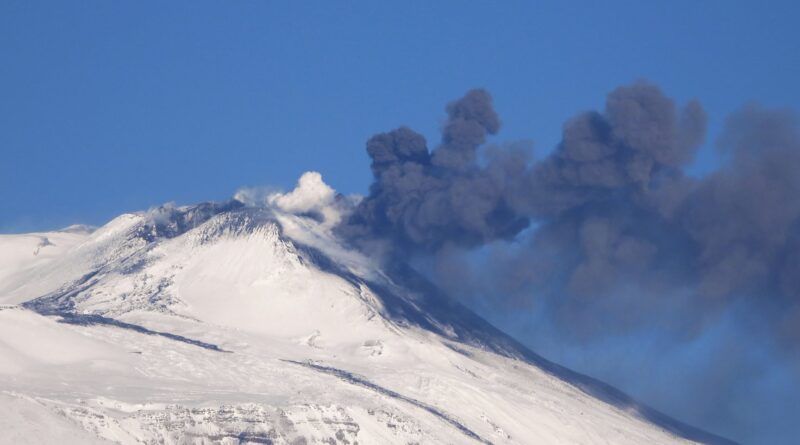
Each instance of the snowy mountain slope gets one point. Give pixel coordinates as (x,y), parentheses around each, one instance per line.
(21,256)
(221,323)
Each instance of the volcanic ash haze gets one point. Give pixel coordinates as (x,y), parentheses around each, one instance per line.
(607,242)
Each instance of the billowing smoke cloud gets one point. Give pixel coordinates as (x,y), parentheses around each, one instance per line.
(618,216)
(613,210)
(311,197)
(746,217)
(607,235)
(421,200)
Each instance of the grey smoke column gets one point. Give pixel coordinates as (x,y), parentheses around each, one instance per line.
(640,142)
(420,200)
(620,228)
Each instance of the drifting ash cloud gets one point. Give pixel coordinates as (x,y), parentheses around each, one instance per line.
(606,241)
(612,208)
(611,258)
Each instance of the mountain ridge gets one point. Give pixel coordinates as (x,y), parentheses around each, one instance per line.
(150,273)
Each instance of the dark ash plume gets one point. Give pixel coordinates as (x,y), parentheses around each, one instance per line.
(631,150)
(615,213)
(421,200)
(622,246)
(745,218)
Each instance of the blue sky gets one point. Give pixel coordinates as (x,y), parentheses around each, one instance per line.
(110,107)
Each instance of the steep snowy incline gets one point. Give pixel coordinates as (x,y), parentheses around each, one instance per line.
(221,323)
(22,256)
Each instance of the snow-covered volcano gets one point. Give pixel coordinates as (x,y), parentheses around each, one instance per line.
(228,323)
